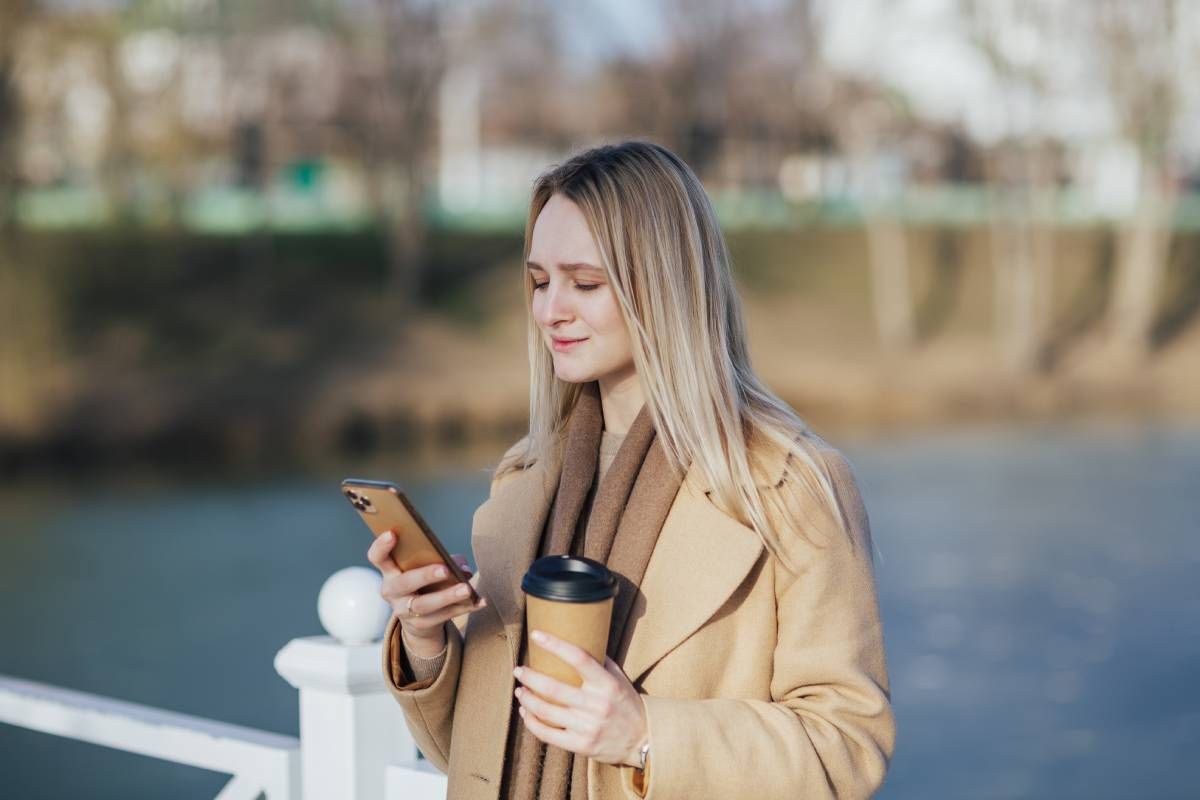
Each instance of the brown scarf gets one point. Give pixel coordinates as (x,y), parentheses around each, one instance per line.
(627,512)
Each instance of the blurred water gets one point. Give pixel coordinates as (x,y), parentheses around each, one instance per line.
(1038,590)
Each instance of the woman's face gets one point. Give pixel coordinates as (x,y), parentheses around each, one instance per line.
(573,304)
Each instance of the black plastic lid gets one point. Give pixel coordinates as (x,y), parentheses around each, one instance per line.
(572,579)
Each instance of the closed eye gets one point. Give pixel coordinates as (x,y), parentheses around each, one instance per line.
(583,287)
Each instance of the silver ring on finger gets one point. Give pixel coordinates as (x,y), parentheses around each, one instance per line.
(409,609)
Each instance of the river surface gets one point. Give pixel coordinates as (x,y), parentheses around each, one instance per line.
(1039,588)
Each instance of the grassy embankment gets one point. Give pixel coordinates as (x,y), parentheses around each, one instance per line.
(208,349)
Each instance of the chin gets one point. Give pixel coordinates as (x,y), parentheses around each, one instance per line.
(575,373)
(574,376)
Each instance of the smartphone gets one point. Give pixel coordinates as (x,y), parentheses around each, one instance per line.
(385,507)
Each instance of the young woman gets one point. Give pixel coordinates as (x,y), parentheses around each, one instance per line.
(747,655)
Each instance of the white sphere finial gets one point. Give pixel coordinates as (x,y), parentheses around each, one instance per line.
(350,607)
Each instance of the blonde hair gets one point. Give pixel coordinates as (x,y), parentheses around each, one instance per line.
(667,262)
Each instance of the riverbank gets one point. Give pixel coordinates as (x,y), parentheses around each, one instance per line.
(223,352)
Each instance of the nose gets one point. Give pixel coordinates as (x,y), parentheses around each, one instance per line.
(556,305)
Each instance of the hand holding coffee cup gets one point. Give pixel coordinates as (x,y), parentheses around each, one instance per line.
(570,598)
(572,695)
(422,616)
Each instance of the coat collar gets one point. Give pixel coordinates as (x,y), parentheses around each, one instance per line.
(701,557)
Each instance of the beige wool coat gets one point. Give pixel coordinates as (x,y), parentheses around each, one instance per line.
(758,683)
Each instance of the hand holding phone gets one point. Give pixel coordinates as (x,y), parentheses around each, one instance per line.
(423,628)
(424,584)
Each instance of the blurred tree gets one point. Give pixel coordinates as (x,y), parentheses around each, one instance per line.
(28,328)
(402,59)
(706,39)
(119,161)
(679,93)
(864,118)
(14,14)
(861,122)
(525,75)
(1020,168)
(1141,46)
(773,114)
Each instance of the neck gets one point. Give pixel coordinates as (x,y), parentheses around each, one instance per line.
(621,399)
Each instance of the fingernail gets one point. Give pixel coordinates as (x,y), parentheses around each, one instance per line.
(517,672)
(441,572)
(462,592)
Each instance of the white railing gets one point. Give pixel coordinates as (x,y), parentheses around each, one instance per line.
(260,762)
(353,743)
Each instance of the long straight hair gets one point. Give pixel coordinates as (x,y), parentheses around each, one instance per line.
(667,262)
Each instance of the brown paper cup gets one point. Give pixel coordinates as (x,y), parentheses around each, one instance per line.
(564,597)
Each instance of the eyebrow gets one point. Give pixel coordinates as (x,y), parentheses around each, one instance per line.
(564,267)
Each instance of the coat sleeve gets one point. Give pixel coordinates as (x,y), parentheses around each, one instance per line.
(428,705)
(829,729)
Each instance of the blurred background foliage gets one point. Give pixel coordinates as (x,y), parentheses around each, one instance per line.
(250,231)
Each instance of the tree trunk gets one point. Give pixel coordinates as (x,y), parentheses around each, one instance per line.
(29,329)
(1142,259)
(404,232)
(891,284)
(1014,294)
(1022,247)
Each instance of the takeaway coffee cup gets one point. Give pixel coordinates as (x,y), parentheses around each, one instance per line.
(571,598)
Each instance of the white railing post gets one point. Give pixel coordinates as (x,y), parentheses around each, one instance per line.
(351,729)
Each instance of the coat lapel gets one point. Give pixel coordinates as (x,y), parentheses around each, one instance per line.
(506,532)
(701,557)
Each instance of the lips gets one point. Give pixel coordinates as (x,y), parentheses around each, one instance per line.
(565,344)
